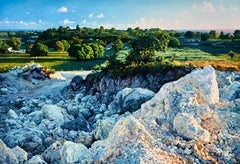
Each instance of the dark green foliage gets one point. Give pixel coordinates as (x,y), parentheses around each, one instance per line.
(86,51)
(144,48)
(39,49)
(98,50)
(3,47)
(212,34)
(174,42)
(204,36)
(236,34)
(118,45)
(15,43)
(189,34)
(29,47)
(231,54)
(59,46)
(65,44)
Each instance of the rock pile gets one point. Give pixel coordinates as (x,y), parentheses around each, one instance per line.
(192,120)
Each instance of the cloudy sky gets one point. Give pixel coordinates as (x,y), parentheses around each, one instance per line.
(121,14)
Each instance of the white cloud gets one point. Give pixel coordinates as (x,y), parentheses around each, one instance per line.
(66,21)
(208,7)
(39,21)
(194,6)
(221,8)
(90,15)
(100,16)
(84,21)
(234,8)
(62,10)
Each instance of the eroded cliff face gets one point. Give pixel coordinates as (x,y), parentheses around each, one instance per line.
(140,119)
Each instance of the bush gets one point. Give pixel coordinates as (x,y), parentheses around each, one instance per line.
(231,54)
(39,49)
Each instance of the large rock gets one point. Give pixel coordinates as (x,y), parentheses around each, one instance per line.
(102,130)
(75,153)
(76,83)
(20,154)
(130,100)
(6,155)
(130,142)
(78,124)
(53,113)
(36,159)
(31,139)
(189,127)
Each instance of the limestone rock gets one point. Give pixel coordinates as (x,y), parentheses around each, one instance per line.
(75,153)
(130,100)
(20,154)
(102,130)
(130,142)
(12,114)
(36,159)
(6,155)
(78,124)
(188,127)
(52,153)
(76,83)
(28,138)
(53,113)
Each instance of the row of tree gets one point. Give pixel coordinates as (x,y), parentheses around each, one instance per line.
(211,35)
(14,42)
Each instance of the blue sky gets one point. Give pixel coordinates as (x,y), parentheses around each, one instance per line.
(121,14)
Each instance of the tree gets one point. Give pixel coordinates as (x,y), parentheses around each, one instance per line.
(204,36)
(98,50)
(29,47)
(189,34)
(81,51)
(15,43)
(39,49)
(59,46)
(118,45)
(236,34)
(143,50)
(65,44)
(222,36)
(101,30)
(174,42)
(212,34)
(3,47)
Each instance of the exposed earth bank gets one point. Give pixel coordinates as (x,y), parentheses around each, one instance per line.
(170,117)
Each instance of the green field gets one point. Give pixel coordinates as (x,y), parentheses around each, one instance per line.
(57,61)
(183,56)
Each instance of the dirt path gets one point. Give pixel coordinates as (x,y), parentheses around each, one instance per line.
(48,87)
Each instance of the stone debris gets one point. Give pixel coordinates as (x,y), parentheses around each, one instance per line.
(194,119)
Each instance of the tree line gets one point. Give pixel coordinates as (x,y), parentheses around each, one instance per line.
(89,43)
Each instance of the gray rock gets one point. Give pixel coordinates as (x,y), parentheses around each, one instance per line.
(52,153)
(36,159)
(7,156)
(102,130)
(76,83)
(53,113)
(28,138)
(20,154)
(77,124)
(231,92)
(130,100)
(12,114)
(75,153)
(189,127)
(85,138)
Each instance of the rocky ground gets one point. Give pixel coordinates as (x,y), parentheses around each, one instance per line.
(156,118)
